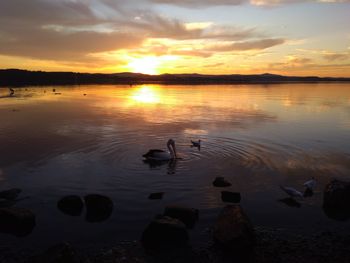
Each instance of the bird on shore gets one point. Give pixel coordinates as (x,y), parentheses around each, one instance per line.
(292,192)
(162,155)
(310,184)
(196,144)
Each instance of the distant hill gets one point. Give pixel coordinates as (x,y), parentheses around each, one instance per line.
(16,77)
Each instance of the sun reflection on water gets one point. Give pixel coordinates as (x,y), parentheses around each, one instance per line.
(146,94)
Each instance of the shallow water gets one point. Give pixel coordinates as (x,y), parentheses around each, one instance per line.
(258,137)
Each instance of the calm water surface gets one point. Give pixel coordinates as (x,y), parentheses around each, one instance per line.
(256,136)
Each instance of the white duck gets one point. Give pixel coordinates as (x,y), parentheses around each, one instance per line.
(161,155)
(291,191)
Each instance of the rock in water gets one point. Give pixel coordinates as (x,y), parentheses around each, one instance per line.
(221,182)
(186,215)
(71,205)
(154,196)
(233,231)
(165,232)
(17,221)
(98,207)
(336,200)
(11,194)
(232,197)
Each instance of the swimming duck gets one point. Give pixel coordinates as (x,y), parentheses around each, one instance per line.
(196,144)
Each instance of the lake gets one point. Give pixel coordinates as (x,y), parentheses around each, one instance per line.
(62,142)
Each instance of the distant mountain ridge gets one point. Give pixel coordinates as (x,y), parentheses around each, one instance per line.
(17,77)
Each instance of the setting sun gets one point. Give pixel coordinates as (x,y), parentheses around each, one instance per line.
(144,65)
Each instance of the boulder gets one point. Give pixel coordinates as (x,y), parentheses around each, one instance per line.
(154,196)
(98,207)
(233,231)
(336,200)
(60,253)
(10,194)
(16,221)
(164,232)
(221,182)
(186,215)
(231,197)
(71,205)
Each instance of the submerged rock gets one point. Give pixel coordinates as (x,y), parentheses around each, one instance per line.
(221,182)
(164,232)
(60,253)
(336,200)
(233,231)
(232,197)
(98,207)
(10,194)
(71,205)
(16,221)
(187,215)
(154,196)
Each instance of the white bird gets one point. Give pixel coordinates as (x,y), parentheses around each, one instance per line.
(196,144)
(310,184)
(161,155)
(291,191)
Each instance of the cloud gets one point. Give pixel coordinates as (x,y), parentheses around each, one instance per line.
(336,56)
(209,3)
(259,44)
(196,3)
(70,30)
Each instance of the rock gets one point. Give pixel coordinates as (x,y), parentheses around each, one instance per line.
(232,197)
(7,203)
(71,205)
(60,253)
(11,194)
(165,232)
(186,215)
(98,207)
(336,200)
(16,221)
(233,231)
(221,182)
(154,196)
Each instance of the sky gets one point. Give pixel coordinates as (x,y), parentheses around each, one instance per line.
(289,37)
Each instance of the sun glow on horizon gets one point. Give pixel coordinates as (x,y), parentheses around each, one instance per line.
(145,65)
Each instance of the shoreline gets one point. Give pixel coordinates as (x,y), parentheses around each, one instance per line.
(16,78)
(273,245)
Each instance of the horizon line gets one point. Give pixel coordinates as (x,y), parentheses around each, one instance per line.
(193,73)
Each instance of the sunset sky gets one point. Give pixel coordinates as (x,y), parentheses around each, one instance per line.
(289,37)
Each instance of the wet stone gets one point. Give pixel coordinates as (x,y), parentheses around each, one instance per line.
(98,208)
(154,196)
(16,221)
(221,182)
(187,215)
(71,205)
